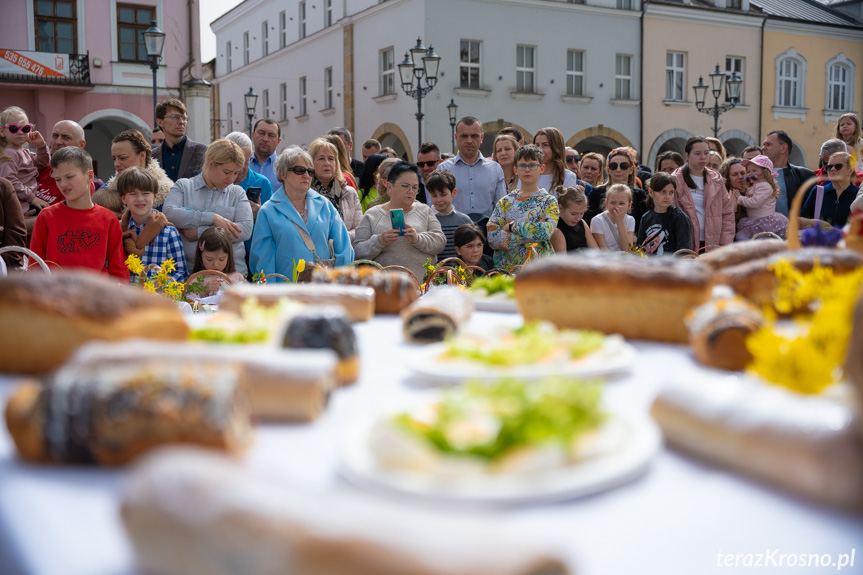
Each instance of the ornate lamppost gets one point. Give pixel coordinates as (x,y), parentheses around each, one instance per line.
(251,101)
(419,64)
(154,42)
(732,95)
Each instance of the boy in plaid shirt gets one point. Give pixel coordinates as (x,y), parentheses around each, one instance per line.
(147,233)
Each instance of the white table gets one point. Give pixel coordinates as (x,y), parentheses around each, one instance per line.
(675,519)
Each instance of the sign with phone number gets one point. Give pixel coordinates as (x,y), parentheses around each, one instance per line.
(42,64)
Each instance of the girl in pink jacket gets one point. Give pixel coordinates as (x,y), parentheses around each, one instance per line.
(759,201)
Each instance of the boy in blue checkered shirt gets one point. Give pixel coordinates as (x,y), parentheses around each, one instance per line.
(147,233)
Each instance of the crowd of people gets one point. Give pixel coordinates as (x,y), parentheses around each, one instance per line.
(239,207)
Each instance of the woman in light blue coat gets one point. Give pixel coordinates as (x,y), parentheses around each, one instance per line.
(297,223)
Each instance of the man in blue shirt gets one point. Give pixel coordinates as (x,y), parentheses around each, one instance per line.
(266,136)
(179,156)
(248,179)
(480,181)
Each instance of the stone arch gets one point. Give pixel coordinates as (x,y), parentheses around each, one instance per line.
(389,134)
(598,139)
(735,141)
(797,155)
(100,127)
(668,140)
(491,130)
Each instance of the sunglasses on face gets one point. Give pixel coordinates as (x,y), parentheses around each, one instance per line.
(13,129)
(753,177)
(301,171)
(621,165)
(571,159)
(429,164)
(827,167)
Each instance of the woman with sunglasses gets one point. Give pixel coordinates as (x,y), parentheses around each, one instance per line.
(421,237)
(702,195)
(621,169)
(830,204)
(19,165)
(298,223)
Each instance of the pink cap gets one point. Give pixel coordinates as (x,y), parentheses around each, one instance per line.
(762,161)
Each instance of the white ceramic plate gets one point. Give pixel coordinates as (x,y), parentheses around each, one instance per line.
(638,444)
(503,305)
(614,356)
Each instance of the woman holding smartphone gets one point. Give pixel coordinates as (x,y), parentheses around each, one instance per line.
(378,239)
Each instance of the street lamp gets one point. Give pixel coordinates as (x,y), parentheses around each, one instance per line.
(419,63)
(251,103)
(732,95)
(154,42)
(452,109)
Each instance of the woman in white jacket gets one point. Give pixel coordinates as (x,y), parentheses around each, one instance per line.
(330,183)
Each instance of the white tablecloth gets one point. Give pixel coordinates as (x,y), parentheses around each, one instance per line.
(677,518)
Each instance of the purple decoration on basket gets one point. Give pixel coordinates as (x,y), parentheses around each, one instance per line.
(815,236)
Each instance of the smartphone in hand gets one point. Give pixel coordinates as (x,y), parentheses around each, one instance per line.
(254,194)
(397,218)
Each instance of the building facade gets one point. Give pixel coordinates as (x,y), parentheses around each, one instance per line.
(86,61)
(316,65)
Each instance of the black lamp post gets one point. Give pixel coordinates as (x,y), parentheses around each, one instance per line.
(452,109)
(418,64)
(732,95)
(251,103)
(154,42)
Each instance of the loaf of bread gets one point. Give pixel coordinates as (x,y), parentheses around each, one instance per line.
(804,444)
(437,315)
(281,384)
(755,281)
(358,301)
(741,252)
(641,298)
(108,415)
(394,291)
(194,512)
(44,318)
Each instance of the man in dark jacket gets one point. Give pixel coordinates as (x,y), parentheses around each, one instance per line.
(179,156)
(778,146)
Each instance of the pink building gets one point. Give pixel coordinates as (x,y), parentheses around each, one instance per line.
(86,61)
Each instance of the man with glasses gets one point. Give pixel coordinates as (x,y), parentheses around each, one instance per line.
(428,159)
(179,156)
(572,159)
(480,181)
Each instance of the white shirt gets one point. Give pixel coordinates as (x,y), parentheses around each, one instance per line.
(602,224)
(698,200)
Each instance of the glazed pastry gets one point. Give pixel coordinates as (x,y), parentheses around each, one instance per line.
(741,252)
(804,444)
(437,315)
(282,385)
(109,415)
(719,329)
(358,301)
(323,327)
(194,512)
(639,298)
(45,318)
(393,290)
(756,282)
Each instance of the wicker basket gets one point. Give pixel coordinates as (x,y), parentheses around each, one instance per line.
(201,273)
(29,253)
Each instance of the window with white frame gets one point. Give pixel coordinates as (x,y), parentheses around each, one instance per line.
(302,19)
(388,71)
(790,80)
(734,64)
(245,48)
(525,69)
(736,4)
(469,62)
(265,38)
(328,12)
(675,76)
(283,102)
(265,100)
(328,88)
(574,73)
(840,84)
(303,108)
(283,29)
(624,4)
(623,77)
(228,56)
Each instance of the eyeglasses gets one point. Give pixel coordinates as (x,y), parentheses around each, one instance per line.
(753,177)
(139,194)
(301,171)
(25,129)
(621,165)
(407,187)
(178,118)
(827,167)
(529,167)
(429,164)
(571,159)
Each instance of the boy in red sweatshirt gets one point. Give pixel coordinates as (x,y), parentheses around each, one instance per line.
(76,233)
